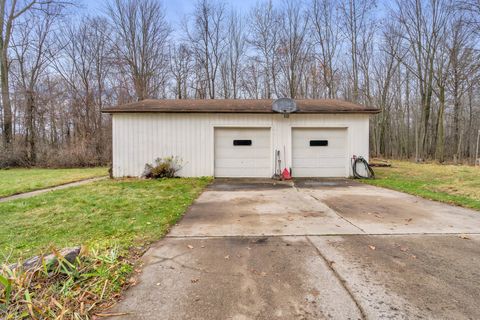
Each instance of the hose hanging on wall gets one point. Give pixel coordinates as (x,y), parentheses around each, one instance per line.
(361,161)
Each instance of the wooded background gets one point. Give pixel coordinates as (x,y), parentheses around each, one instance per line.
(418,61)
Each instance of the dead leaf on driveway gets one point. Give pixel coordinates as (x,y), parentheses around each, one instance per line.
(371,247)
(315,292)
(409,219)
(195,280)
(464,236)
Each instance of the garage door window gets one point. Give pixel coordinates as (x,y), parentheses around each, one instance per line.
(242,142)
(318,143)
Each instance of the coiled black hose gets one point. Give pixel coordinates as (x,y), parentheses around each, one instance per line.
(361,160)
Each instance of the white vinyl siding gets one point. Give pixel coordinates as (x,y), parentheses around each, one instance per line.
(319,161)
(242,160)
(139,138)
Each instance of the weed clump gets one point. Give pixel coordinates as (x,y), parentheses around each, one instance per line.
(65,290)
(162,168)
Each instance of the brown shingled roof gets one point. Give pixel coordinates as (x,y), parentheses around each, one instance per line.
(236,106)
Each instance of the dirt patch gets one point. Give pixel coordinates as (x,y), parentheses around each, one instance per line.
(377,209)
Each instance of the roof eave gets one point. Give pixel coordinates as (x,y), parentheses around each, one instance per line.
(369,111)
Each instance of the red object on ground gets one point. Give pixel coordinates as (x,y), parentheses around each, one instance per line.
(286,174)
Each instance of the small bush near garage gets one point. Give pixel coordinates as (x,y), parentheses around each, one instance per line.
(163,168)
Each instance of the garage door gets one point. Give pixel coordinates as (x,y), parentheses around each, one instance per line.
(242,152)
(319,152)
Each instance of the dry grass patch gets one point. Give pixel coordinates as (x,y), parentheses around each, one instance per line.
(454,184)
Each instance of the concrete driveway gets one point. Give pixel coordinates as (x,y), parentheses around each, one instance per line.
(316,249)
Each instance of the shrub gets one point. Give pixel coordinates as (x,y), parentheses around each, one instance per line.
(162,168)
(13,158)
(81,153)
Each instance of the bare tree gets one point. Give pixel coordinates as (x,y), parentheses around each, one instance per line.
(356,24)
(207,37)
(442,64)
(83,65)
(236,50)
(30,46)
(264,38)
(324,19)
(180,64)
(141,33)
(294,47)
(472,10)
(10,11)
(385,68)
(463,63)
(423,23)
(251,79)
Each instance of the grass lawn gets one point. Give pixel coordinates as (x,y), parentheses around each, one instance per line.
(14,181)
(459,185)
(113,219)
(102,213)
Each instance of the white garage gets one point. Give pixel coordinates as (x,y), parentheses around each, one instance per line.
(319,152)
(240,138)
(242,152)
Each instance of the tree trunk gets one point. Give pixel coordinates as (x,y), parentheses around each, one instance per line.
(7,108)
(440,145)
(30,126)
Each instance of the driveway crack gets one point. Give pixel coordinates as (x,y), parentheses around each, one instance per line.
(339,215)
(340,279)
(182,265)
